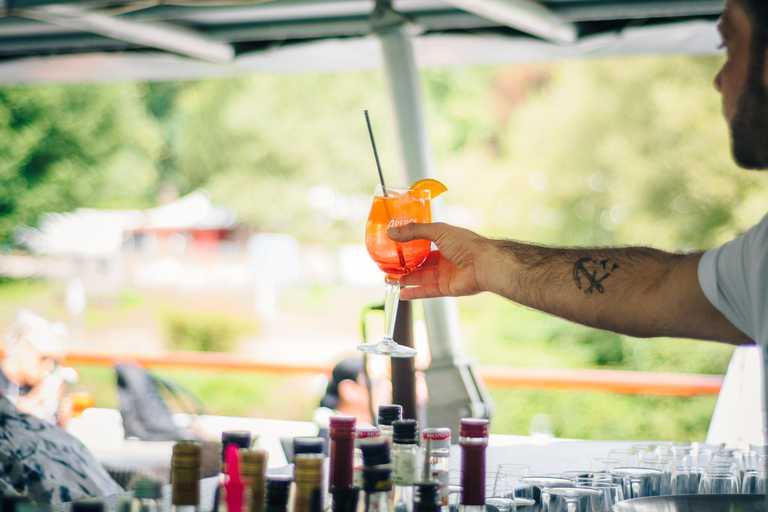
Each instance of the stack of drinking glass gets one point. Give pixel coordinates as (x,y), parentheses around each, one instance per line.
(643,470)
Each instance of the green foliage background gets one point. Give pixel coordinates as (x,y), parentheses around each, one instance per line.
(629,151)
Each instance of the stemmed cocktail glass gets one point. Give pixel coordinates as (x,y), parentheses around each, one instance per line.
(394,207)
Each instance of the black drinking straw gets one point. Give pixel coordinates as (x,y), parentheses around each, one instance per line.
(375,153)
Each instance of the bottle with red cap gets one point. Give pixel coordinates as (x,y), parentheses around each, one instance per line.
(361,433)
(473,438)
(439,442)
(341,433)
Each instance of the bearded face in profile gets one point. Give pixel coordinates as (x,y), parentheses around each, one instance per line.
(749,128)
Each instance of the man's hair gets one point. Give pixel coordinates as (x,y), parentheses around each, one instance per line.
(348,369)
(757,10)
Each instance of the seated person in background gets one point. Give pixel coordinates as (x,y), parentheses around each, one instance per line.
(347,393)
(40,460)
(30,375)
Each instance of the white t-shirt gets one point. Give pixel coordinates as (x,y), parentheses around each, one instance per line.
(734,278)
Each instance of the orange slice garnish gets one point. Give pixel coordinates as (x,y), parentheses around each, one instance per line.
(435,187)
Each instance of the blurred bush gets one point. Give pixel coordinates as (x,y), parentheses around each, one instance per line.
(205,331)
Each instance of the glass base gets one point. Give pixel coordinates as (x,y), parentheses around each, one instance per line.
(387,348)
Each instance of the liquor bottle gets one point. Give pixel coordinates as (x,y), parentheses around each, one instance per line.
(9,502)
(88,505)
(360,434)
(148,493)
(473,438)
(241,439)
(341,432)
(388,414)
(276,498)
(234,494)
(405,463)
(28,506)
(124,504)
(185,476)
(308,445)
(307,480)
(377,489)
(377,465)
(254,468)
(426,497)
(345,499)
(439,441)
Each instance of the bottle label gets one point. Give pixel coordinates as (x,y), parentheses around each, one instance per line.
(405,467)
(442,478)
(357,478)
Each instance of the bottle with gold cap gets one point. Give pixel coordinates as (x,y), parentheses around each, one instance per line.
(307,482)
(185,476)
(254,469)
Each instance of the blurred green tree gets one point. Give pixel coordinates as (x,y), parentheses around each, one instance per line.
(67,147)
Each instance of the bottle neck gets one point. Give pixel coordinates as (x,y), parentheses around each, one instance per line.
(376,502)
(473,474)
(342,453)
(405,464)
(305,493)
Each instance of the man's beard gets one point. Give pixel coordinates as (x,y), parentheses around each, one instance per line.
(749,128)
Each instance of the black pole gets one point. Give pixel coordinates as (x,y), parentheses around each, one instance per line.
(403,368)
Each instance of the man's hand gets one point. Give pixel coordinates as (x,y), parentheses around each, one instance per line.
(453,270)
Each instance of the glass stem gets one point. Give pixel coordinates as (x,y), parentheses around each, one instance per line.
(391,301)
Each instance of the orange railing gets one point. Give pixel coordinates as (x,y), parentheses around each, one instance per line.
(611,381)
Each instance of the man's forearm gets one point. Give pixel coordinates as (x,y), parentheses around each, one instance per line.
(638,291)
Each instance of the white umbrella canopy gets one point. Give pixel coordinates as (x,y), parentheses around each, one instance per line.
(98,40)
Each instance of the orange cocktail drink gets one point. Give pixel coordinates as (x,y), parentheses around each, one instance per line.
(393,208)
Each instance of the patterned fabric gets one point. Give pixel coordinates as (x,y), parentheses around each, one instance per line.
(42,461)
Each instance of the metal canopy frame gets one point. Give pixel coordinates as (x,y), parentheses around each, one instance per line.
(226,31)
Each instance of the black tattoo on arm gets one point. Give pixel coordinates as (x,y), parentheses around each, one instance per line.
(582,268)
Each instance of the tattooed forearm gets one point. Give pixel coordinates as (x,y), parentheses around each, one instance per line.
(588,269)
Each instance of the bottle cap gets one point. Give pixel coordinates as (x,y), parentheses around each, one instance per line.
(148,488)
(375,451)
(405,431)
(278,487)
(240,438)
(87,506)
(309,467)
(342,427)
(187,454)
(389,413)
(253,463)
(439,438)
(308,445)
(8,502)
(426,493)
(474,427)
